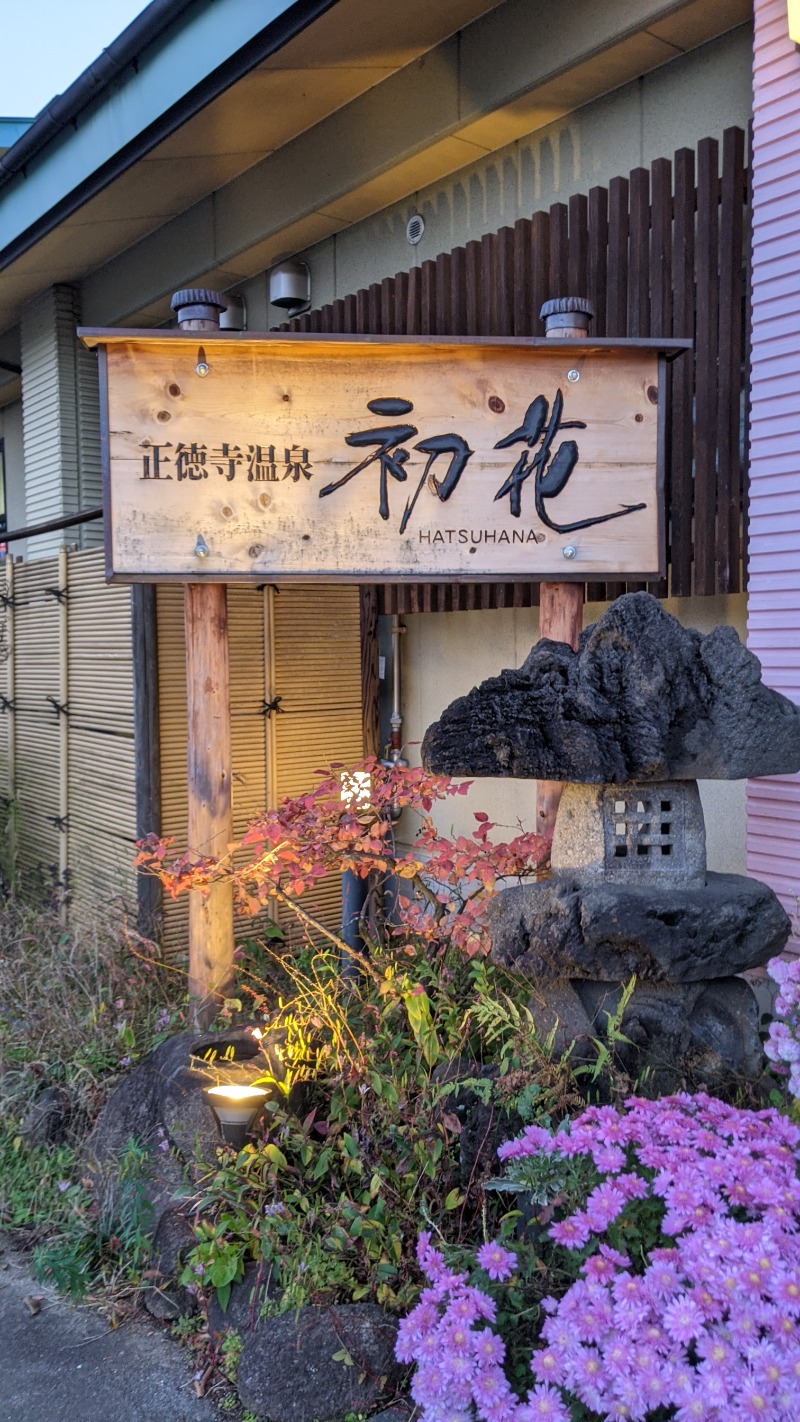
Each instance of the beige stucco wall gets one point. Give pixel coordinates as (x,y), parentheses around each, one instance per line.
(445,654)
(696,95)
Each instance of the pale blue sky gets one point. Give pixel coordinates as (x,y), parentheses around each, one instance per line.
(48,43)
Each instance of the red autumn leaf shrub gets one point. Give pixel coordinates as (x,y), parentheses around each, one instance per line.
(345,823)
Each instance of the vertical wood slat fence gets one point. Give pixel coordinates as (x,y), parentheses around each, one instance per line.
(66,732)
(659,253)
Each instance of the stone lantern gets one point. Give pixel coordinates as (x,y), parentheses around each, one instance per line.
(630,722)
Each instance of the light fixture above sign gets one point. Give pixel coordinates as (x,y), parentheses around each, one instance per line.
(381,459)
(290,287)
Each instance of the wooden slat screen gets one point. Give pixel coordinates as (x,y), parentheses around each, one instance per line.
(89,651)
(299,644)
(36,723)
(101,793)
(659,253)
(316,671)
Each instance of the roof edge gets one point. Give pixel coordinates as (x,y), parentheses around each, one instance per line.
(60,112)
(296,16)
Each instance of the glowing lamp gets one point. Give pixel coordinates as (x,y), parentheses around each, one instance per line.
(235,1108)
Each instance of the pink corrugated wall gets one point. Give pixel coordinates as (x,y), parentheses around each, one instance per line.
(773,806)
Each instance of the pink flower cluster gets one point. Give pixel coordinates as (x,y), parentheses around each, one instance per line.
(703,1323)
(459,1357)
(783,1043)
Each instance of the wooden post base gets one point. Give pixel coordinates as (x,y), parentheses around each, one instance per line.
(561,620)
(210,828)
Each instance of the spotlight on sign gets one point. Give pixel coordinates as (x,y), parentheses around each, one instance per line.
(235,1108)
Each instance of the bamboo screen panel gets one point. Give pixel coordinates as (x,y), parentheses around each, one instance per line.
(172,736)
(6,690)
(66,731)
(246,640)
(37,735)
(101,793)
(316,658)
(300,644)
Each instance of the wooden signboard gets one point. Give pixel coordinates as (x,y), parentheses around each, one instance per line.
(372,459)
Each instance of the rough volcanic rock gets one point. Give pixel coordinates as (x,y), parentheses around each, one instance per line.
(725,1031)
(398,1412)
(164,1297)
(483,1114)
(48,1118)
(291,1370)
(564,928)
(643,698)
(560,1017)
(258,1288)
(680,1034)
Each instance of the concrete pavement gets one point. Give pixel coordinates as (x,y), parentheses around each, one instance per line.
(64,1364)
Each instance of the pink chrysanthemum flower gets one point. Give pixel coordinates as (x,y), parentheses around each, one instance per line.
(545,1403)
(498,1262)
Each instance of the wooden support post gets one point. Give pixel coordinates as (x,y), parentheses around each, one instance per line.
(560,619)
(209,771)
(560,604)
(208,725)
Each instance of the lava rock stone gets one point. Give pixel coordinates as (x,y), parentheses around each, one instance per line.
(290,1371)
(48,1118)
(675,1035)
(243,1313)
(643,698)
(565,928)
(164,1297)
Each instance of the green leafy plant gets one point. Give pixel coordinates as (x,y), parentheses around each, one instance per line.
(76,1009)
(367,1141)
(94,1248)
(231,1351)
(363,1136)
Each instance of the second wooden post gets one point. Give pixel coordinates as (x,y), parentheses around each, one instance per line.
(560,604)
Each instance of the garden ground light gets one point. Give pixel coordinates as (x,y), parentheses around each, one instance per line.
(235,1108)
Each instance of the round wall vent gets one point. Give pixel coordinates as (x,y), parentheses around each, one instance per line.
(415,228)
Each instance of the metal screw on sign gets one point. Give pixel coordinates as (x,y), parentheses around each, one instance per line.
(573,376)
(201,547)
(569,551)
(198,309)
